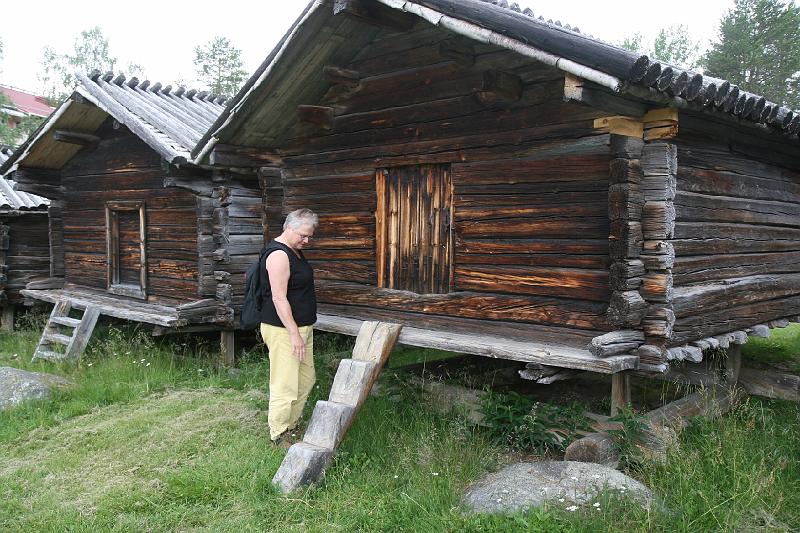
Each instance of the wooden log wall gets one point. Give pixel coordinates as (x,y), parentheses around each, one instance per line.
(123,168)
(529,176)
(237,214)
(24,252)
(737,232)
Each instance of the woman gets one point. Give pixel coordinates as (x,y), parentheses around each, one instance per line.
(288,312)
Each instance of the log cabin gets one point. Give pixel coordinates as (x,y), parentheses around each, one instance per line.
(510,187)
(136,230)
(24,245)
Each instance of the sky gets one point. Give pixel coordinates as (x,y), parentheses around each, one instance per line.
(161,35)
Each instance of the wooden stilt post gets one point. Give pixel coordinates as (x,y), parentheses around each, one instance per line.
(7,319)
(227,348)
(733,363)
(620,391)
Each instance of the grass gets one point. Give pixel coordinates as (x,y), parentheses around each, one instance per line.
(153,437)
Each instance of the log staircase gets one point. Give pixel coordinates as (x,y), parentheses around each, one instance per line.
(306,461)
(65,338)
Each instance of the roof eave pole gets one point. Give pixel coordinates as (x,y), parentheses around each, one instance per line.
(490,37)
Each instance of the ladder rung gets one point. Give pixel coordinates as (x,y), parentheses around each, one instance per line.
(57,337)
(65,321)
(48,355)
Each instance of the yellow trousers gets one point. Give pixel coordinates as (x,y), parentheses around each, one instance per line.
(290,380)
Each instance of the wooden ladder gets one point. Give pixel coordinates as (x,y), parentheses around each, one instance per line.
(306,461)
(62,331)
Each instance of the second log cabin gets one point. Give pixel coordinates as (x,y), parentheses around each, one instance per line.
(137,230)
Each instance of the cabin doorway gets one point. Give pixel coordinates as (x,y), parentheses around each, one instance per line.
(414,241)
(127,258)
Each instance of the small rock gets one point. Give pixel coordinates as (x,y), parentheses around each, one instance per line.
(17,386)
(523,486)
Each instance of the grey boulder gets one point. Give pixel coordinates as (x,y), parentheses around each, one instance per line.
(523,486)
(17,386)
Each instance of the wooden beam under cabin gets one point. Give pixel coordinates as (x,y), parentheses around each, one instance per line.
(375,13)
(228,155)
(75,137)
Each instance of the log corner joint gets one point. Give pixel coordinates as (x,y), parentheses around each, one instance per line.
(654,125)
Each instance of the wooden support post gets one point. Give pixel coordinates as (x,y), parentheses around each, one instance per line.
(226,348)
(7,319)
(620,391)
(733,363)
(306,461)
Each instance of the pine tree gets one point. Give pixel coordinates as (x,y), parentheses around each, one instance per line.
(759,49)
(219,66)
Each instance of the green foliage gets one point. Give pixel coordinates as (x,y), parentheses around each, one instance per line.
(219,66)
(520,423)
(672,45)
(632,42)
(780,350)
(630,435)
(759,49)
(90,51)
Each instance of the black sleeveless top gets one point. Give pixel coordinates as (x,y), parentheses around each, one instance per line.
(300,291)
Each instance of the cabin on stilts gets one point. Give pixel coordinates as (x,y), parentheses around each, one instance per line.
(24,245)
(509,187)
(137,231)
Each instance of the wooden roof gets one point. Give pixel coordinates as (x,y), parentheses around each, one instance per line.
(170,121)
(319,37)
(10,198)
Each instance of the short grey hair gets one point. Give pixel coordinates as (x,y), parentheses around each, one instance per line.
(299,217)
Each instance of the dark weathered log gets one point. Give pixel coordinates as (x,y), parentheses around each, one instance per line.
(317,116)
(712,402)
(615,343)
(658,255)
(242,156)
(652,74)
(722,93)
(376,14)
(639,69)
(75,137)
(626,308)
(658,220)
(341,76)
(665,79)
(625,201)
(499,86)
(770,384)
(694,88)
(729,293)
(625,239)
(626,275)
(730,99)
(626,149)
(679,84)
(657,286)
(458,50)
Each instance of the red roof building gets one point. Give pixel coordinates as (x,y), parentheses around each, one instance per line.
(27,103)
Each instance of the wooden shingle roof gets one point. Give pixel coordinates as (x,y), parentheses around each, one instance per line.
(499,23)
(171,121)
(10,198)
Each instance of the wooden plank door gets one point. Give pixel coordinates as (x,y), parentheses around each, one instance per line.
(413,224)
(127,257)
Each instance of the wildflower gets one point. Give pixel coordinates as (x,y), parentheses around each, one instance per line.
(14,356)
(596,504)
(143,360)
(435,473)
(561,500)
(88,364)
(573,478)
(596,476)
(572,508)
(499,500)
(148,364)
(396,476)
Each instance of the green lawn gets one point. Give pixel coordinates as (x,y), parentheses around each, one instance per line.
(153,438)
